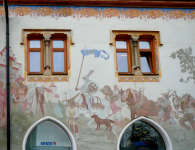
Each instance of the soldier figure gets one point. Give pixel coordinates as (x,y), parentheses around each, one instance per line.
(87,90)
(73,113)
(165,109)
(116,111)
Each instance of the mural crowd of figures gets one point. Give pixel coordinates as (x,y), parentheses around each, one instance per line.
(87,114)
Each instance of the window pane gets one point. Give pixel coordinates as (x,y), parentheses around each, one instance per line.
(145,66)
(141,136)
(35,44)
(58,44)
(144,45)
(35,61)
(121,44)
(58,61)
(48,136)
(122,62)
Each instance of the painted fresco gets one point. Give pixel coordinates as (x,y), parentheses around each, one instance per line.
(187,61)
(100,12)
(95,121)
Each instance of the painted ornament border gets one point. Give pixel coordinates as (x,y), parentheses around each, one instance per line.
(100,12)
(138,79)
(47,78)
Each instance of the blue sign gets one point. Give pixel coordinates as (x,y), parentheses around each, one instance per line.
(48,143)
(140,144)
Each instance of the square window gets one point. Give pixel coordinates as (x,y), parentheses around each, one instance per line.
(58,44)
(121,44)
(144,44)
(122,62)
(35,44)
(47,53)
(131,54)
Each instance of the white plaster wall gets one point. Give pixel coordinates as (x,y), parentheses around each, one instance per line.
(95,34)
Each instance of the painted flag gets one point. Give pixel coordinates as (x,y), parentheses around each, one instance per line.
(96,53)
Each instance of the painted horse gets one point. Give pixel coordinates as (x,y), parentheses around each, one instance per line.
(109,96)
(139,104)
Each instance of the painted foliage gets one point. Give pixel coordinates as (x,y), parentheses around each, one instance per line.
(187,62)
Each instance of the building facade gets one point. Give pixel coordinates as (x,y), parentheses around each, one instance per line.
(95,70)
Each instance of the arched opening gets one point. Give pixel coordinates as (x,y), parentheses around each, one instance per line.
(48,134)
(143,134)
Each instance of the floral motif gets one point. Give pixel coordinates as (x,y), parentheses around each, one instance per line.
(110,12)
(100,12)
(64,12)
(44,11)
(132,13)
(2,11)
(192,14)
(21,11)
(154,13)
(88,12)
(175,14)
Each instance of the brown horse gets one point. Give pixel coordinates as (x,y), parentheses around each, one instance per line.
(139,105)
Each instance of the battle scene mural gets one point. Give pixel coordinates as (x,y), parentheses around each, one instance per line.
(95,121)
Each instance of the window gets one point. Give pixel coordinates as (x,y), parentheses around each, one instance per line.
(35,55)
(135,53)
(58,55)
(48,136)
(141,135)
(47,54)
(122,52)
(146,56)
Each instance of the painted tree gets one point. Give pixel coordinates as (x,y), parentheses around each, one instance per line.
(187,62)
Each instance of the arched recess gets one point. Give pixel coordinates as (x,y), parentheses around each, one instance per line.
(153,124)
(55,121)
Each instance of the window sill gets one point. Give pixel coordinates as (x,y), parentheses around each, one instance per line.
(136,78)
(52,78)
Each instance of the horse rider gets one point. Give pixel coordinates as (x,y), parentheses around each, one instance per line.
(87,90)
